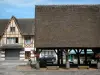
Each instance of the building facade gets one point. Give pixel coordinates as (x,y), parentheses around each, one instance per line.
(16,39)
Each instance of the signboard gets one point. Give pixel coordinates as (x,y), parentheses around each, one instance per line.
(29,49)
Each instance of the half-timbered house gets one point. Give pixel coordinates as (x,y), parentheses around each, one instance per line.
(16,38)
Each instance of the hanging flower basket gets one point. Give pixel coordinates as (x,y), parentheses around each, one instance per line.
(36,55)
(97,55)
(34,52)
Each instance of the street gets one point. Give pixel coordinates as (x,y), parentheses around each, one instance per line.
(9,68)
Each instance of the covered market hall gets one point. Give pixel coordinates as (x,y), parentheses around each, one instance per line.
(63,28)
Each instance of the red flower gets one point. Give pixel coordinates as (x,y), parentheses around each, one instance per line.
(97,55)
(34,52)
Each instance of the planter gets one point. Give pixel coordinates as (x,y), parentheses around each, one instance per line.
(37,65)
(98,65)
(67,65)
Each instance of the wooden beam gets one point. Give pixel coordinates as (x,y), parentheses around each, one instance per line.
(81,51)
(66,54)
(78,56)
(61,55)
(55,51)
(75,51)
(58,55)
(70,50)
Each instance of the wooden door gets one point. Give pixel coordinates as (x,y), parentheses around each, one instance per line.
(27,54)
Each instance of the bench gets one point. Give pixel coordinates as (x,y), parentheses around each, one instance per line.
(52,67)
(83,67)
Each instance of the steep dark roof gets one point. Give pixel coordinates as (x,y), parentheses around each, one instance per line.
(67,26)
(3,24)
(25,25)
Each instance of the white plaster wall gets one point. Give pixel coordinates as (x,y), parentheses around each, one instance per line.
(22,55)
(3,41)
(2,59)
(2,55)
(12,24)
(22,58)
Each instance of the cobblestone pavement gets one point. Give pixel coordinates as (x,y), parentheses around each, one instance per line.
(10,69)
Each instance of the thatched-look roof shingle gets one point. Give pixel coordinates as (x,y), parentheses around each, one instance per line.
(67,26)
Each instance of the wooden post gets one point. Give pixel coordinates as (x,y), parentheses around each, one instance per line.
(61,55)
(93,53)
(85,52)
(37,57)
(58,55)
(67,62)
(78,55)
(66,51)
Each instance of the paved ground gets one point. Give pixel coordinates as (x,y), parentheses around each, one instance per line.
(12,68)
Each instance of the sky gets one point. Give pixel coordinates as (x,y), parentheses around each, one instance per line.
(26,8)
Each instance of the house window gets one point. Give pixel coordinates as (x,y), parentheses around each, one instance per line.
(12,29)
(12,40)
(28,40)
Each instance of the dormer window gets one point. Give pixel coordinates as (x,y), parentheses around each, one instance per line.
(12,29)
